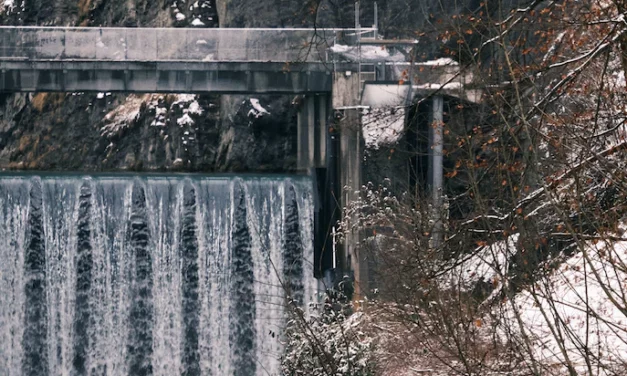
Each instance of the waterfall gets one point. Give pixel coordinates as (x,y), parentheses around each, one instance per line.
(112,275)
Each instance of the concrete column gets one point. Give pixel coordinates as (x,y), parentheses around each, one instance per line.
(310,104)
(312,132)
(346,93)
(302,135)
(322,102)
(437,167)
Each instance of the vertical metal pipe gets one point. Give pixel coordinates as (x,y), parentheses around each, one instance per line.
(321,131)
(376,20)
(357,25)
(437,167)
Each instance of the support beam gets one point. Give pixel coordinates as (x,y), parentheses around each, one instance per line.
(164,77)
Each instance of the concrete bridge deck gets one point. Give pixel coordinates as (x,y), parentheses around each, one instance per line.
(222,61)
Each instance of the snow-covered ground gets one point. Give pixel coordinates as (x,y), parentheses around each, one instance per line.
(576,315)
(487,263)
(579,313)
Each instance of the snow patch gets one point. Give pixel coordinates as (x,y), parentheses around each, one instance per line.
(197,22)
(383,126)
(443,61)
(189,103)
(7,5)
(184,98)
(367,53)
(257,111)
(448,85)
(486,264)
(180,16)
(185,120)
(194,108)
(160,117)
(580,293)
(619,79)
(125,115)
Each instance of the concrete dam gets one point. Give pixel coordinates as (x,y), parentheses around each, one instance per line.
(183,274)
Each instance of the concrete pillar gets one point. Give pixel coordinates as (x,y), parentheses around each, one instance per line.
(346,94)
(302,135)
(322,103)
(312,132)
(436,173)
(310,104)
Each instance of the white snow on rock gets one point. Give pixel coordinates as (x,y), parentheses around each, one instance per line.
(180,16)
(7,5)
(124,115)
(160,117)
(185,120)
(383,126)
(189,104)
(184,98)
(161,111)
(257,111)
(197,22)
(194,108)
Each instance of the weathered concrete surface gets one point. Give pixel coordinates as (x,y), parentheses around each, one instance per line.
(164,77)
(168,44)
(312,129)
(346,94)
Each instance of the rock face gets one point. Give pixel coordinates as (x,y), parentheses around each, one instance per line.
(150,132)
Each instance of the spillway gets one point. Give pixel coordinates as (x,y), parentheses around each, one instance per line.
(150,275)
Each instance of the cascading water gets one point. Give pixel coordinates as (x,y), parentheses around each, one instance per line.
(152,275)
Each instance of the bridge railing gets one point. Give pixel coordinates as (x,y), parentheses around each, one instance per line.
(170,44)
